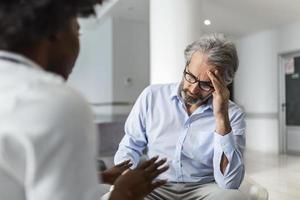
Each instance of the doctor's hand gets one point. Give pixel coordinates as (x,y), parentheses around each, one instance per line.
(109,176)
(220,102)
(137,183)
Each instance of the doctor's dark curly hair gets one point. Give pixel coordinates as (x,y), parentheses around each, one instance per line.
(25,22)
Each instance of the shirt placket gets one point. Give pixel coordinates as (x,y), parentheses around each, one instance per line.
(179,146)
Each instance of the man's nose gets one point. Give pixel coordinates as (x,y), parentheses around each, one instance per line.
(194,88)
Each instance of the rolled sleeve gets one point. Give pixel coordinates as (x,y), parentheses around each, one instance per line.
(224,144)
(232,145)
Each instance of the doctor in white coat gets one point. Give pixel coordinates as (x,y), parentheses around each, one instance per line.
(47,144)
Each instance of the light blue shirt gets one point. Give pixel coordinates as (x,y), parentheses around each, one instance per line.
(160,125)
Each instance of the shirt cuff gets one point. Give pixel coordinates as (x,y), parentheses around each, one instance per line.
(225,144)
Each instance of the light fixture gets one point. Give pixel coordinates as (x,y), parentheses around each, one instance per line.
(207,22)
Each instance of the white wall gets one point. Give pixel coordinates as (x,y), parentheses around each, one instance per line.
(289,38)
(111,52)
(131,59)
(257,83)
(256,89)
(94,64)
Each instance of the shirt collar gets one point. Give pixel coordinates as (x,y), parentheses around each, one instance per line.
(175,91)
(18,58)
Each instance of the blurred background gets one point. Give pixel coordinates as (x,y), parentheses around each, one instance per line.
(133,43)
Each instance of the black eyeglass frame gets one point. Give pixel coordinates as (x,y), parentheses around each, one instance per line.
(203,85)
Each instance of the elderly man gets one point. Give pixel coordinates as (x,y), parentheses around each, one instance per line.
(194,124)
(47,146)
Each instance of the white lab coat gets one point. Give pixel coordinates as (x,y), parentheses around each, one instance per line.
(47,136)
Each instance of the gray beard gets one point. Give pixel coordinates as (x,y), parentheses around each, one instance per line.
(189,100)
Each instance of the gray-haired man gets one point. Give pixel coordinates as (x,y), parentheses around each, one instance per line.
(193,124)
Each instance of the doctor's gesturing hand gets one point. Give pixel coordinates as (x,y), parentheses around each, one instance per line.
(137,183)
(109,176)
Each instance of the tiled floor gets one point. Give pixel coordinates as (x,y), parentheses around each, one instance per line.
(279,174)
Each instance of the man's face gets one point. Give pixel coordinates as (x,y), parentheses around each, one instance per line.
(65,49)
(191,93)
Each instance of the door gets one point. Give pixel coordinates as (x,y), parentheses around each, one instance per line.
(290,102)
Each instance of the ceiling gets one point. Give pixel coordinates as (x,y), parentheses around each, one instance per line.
(232,17)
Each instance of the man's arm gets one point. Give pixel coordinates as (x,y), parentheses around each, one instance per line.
(223,128)
(229,142)
(134,141)
(228,154)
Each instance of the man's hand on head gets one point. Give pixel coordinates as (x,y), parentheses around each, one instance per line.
(220,102)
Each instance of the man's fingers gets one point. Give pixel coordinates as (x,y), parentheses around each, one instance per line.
(220,77)
(216,83)
(213,77)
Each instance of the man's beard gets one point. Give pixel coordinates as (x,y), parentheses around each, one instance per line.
(190,99)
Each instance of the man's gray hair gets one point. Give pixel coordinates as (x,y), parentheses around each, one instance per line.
(220,51)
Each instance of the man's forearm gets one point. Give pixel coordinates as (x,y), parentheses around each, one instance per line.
(223,127)
(223,124)
(227,161)
(224,163)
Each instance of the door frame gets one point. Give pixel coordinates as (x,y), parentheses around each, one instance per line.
(282,101)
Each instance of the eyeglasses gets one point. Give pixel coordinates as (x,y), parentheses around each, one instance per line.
(204,85)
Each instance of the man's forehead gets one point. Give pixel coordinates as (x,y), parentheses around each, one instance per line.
(199,58)
(200,70)
(200,61)
(200,64)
